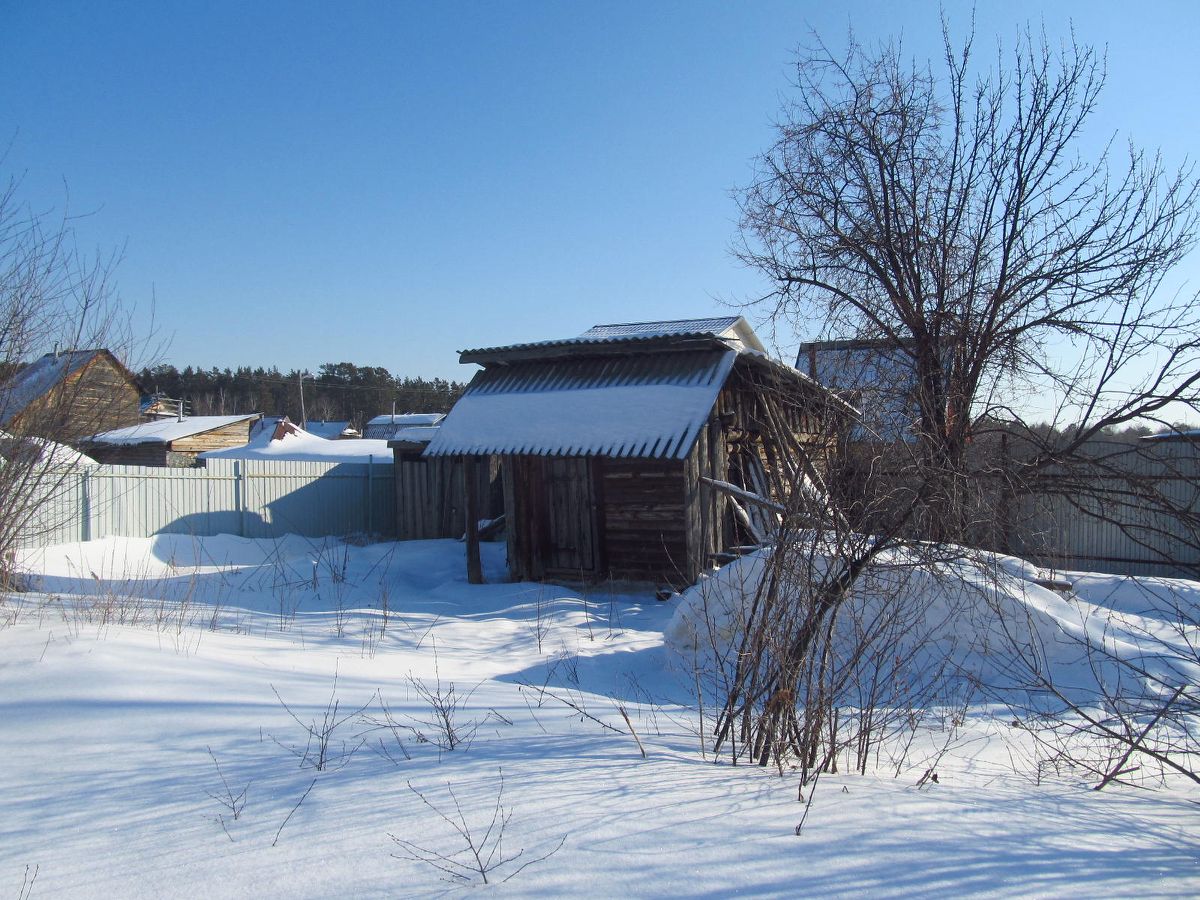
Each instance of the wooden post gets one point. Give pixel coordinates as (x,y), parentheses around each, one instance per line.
(474,566)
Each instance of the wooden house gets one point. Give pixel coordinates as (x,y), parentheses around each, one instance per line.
(169,442)
(68,395)
(623,451)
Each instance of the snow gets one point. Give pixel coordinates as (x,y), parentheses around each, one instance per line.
(50,454)
(300,446)
(613,420)
(134,663)
(163,431)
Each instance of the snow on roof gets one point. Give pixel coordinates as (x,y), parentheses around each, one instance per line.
(300,446)
(163,431)
(645,406)
(418,434)
(49,454)
(406,419)
(329,430)
(731,331)
(37,378)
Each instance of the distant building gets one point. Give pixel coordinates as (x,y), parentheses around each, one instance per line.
(289,442)
(384,427)
(169,442)
(877,377)
(331,431)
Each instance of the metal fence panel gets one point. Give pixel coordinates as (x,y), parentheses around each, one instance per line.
(251,498)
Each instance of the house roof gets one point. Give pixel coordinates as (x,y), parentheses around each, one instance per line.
(638,405)
(414,434)
(40,376)
(164,431)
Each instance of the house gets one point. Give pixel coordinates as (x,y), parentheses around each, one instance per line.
(878,377)
(67,395)
(383,427)
(168,442)
(622,450)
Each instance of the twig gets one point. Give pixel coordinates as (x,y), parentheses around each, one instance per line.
(625,716)
(294,808)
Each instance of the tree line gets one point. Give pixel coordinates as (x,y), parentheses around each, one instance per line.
(336,392)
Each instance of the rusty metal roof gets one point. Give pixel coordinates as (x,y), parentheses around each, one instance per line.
(648,406)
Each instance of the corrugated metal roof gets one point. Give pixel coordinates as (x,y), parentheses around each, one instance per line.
(655,329)
(403,420)
(602,342)
(731,331)
(644,406)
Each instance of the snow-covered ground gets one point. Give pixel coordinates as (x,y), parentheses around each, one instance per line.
(145,684)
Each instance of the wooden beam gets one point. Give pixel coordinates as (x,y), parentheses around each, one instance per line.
(742,494)
(474,566)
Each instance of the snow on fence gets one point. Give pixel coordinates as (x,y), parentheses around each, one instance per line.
(250,498)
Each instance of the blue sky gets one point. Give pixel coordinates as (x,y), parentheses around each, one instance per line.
(390,183)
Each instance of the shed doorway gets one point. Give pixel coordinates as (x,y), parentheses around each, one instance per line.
(568,496)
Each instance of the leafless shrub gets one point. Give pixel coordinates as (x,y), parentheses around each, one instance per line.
(321,750)
(443,726)
(233,803)
(540,627)
(1131,708)
(387,723)
(481,853)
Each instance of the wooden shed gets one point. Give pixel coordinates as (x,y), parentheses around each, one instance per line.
(622,450)
(169,442)
(68,395)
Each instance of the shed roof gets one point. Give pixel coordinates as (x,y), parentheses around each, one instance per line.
(164,431)
(731,332)
(646,405)
(731,328)
(403,420)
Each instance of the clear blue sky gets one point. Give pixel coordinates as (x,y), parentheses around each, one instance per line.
(388,183)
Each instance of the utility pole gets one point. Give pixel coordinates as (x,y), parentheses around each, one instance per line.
(303,416)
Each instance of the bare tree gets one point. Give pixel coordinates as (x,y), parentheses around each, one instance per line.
(53,299)
(945,212)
